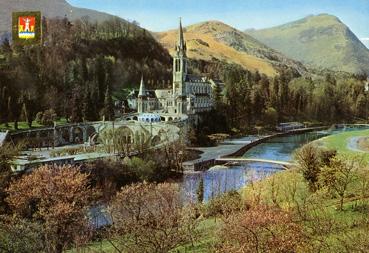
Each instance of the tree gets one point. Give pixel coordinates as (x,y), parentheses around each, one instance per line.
(339,175)
(20,235)
(200,191)
(76,110)
(260,229)
(7,154)
(88,110)
(151,218)
(46,118)
(308,159)
(29,108)
(59,197)
(271,116)
(108,110)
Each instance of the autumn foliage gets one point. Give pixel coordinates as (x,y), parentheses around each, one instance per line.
(58,198)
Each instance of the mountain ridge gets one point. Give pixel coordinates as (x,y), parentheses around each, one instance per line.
(322,41)
(215,39)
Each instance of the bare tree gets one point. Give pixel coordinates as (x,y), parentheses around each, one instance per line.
(260,229)
(151,218)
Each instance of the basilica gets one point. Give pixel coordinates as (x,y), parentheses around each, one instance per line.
(189,95)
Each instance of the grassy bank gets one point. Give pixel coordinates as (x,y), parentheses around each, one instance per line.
(340,142)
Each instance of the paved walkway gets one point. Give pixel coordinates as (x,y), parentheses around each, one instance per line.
(225,148)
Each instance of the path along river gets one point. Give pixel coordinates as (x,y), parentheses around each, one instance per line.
(219,180)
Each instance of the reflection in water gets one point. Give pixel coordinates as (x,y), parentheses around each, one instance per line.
(219,181)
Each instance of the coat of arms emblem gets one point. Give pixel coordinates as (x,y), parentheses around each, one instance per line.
(26,27)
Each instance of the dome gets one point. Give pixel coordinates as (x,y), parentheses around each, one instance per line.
(149,117)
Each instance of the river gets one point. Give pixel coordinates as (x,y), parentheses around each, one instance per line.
(223,179)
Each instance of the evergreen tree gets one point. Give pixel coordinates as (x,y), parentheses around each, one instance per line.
(200,191)
(108,110)
(76,111)
(88,107)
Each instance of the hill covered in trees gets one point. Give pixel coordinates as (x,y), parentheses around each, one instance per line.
(320,41)
(49,9)
(76,70)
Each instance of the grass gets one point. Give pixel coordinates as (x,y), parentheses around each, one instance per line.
(207,237)
(24,125)
(340,142)
(21,126)
(277,189)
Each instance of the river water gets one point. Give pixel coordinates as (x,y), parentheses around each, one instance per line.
(221,179)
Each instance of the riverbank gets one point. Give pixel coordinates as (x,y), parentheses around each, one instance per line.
(346,143)
(235,148)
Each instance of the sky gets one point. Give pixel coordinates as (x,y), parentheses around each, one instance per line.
(161,15)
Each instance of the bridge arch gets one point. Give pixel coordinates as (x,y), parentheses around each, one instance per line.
(77,135)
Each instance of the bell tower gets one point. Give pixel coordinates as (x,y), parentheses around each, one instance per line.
(180,63)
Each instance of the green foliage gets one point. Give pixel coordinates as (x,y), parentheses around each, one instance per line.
(271,116)
(145,170)
(46,118)
(251,99)
(20,236)
(108,110)
(200,191)
(223,205)
(311,159)
(339,175)
(90,58)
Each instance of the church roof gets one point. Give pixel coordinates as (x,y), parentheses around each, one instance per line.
(196,79)
(147,93)
(142,91)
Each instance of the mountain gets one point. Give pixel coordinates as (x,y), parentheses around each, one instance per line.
(213,39)
(48,8)
(320,41)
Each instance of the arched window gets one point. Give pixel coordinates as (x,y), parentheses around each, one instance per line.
(178,65)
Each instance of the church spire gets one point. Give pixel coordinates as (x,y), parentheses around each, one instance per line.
(181,47)
(142,92)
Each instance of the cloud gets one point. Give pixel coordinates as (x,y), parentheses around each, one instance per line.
(364,39)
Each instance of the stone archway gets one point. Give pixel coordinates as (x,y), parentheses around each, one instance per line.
(77,135)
